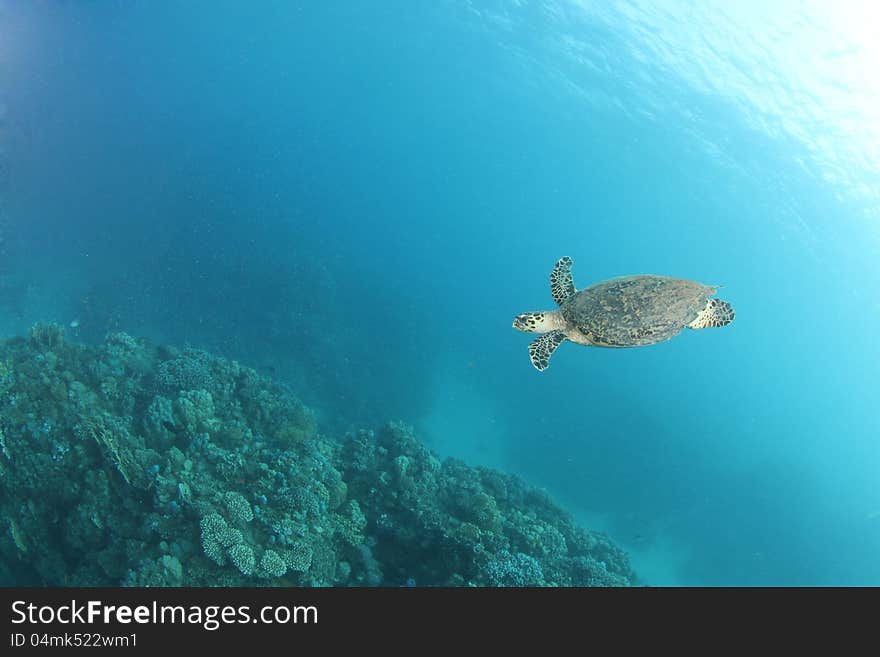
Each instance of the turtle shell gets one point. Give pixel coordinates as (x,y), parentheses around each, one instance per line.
(635,310)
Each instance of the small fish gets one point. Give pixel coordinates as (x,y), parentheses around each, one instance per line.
(74,324)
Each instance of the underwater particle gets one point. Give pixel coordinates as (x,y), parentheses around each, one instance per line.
(242,557)
(272,564)
(239,508)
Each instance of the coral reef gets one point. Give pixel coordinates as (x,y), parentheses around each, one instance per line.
(139,465)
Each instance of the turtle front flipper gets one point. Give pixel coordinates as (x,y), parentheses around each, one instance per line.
(716,313)
(561,282)
(543,347)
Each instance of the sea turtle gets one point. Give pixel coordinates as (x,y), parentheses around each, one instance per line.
(629,311)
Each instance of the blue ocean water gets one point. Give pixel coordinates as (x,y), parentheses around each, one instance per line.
(357,198)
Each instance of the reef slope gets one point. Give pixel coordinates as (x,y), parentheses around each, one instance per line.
(130,464)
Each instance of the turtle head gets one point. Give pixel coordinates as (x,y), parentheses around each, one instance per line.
(539,322)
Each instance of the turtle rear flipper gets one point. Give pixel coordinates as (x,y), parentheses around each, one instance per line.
(561,282)
(543,347)
(716,313)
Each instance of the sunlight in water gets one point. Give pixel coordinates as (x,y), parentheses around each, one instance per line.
(796,69)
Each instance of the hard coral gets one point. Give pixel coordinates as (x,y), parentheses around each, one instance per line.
(169,468)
